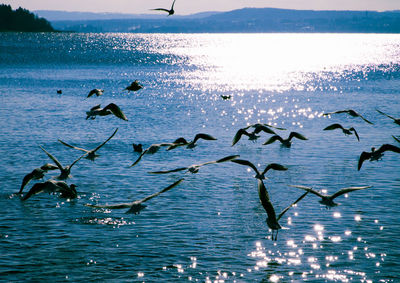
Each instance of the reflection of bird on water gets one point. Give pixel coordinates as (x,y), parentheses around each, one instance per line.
(395,120)
(328,200)
(192,144)
(110,109)
(345,131)
(136,206)
(134,86)
(274,166)
(195,167)
(285,142)
(36,174)
(376,154)
(65,171)
(252,135)
(52,186)
(272,220)
(170,11)
(350,112)
(91,154)
(96,92)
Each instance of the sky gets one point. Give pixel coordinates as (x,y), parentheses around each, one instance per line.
(185,7)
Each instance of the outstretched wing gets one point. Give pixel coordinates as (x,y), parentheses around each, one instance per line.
(396,139)
(265,201)
(204,137)
(161,9)
(259,128)
(362,117)
(364,156)
(336,112)
(111,206)
(355,133)
(308,189)
(170,171)
(160,192)
(287,208)
(333,127)
(97,148)
(53,158)
(274,166)
(224,159)
(116,111)
(95,107)
(36,189)
(246,163)
(140,157)
(386,114)
(386,147)
(26,180)
(79,158)
(238,135)
(347,190)
(273,139)
(71,146)
(297,135)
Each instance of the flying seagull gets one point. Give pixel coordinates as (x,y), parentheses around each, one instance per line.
(90,154)
(328,200)
(110,109)
(345,131)
(376,154)
(136,206)
(96,92)
(36,174)
(150,150)
(272,220)
(170,12)
(395,120)
(285,142)
(65,171)
(195,167)
(261,176)
(226,97)
(252,135)
(52,186)
(192,144)
(134,86)
(350,112)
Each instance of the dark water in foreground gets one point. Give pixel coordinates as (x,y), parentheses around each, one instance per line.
(212,226)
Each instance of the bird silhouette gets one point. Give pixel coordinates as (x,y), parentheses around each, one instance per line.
(137,147)
(327,200)
(195,167)
(395,120)
(137,205)
(91,154)
(261,176)
(36,174)
(345,131)
(272,220)
(134,86)
(110,109)
(350,112)
(192,144)
(396,138)
(52,186)
(285,142)
(252,135)
(376,154)
(151,150)
(170,11)
(96,92)
(64,171)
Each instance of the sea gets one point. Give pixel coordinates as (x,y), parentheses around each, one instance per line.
(212,226)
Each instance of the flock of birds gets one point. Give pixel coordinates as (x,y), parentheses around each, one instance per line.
(58,185)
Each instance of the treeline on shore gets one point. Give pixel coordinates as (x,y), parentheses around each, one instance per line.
(21,20)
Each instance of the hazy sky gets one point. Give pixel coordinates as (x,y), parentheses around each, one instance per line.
(194,6)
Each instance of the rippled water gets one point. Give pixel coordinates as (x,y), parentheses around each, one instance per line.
(212,226)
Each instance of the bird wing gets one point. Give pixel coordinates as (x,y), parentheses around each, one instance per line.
(116,111)
(238,135)
(263,128)
(336,112)
(347,190)
(386,147)
(204,137)
(161,9)
(26,180)
(224,159)
(265,201)
(385,114)
(308,189)
(111,206)
(273,139)
(362,117)
(171,171)
(160,192)
(333,127)
(173,3)
(48,166)
(270,126)
(246,163)
(274,166)
(396,139)
(297,135)
(74,147)
(95,107)
(54,159)
(287,208)
(355,133)
(140,157)
(364,156)
(97,148)
(36,189)
(76,160)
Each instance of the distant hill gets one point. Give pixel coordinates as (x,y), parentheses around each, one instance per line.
(247,20)
(21,20)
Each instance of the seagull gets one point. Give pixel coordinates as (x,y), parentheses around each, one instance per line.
(253,135)
(151,150)
(52,186)
(108,110)
(261,176)
(376,154)
(36,174)
(395,120)
(95,91)
(136,206)
(272,220)
(195,167)
(328,200)
(91,154)
(59,91)
(192,144)
(134,86)
(351,113)
(137,147)
(285,142)
(170,12)
(65,171)
(226,97)
(345,131)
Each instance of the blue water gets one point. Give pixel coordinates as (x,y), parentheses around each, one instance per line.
(212,226)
